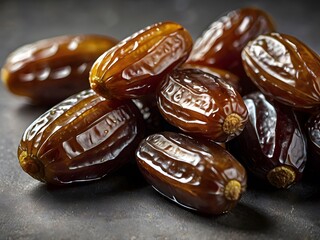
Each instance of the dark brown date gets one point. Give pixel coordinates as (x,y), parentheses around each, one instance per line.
(50,70)
(313,134)
(202,104)
(83,138)
(221,44)
(201,176)
(271,145)
(137,65)
(285,69)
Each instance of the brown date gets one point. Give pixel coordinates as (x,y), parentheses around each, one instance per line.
(272,145)
(137,65)
(83,138)
(199,175)
(50,70)
(313,134)
(285,69)
(202,104)
(221,44)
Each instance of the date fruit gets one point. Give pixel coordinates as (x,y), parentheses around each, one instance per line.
(285,69)
(199,175)
(272,145)
(50,70)
(313,134)
(136,66)
(83,138)
(221,44)
(201,104)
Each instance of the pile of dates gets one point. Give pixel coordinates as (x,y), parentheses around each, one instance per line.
(195,116)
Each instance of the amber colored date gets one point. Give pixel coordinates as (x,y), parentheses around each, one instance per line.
(50,70)
(198,175)
(83,138)
(137,65)
(272,145)
(285,69)
(221,44)
(202,104)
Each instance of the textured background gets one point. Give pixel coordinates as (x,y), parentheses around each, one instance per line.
(123,206)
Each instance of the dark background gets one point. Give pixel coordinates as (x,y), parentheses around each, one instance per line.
(123,206)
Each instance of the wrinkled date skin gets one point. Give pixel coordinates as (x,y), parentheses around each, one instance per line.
(225,75)
(201,176)
(50,70)
(313,134)
(136,65)
(83,138)
(221,44)
(271,145)
(285,69)
(202,104)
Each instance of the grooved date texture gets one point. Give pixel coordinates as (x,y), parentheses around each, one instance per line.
(190,172)
(137,65)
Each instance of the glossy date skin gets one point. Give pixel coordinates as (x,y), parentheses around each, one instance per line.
(272,145)
(48,71)
(135,66)
(83,138)
(284,68)
(221,44)
(201,104)
(198,175)
(313,134)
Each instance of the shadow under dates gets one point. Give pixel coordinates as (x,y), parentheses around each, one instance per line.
(246,218)
(126,179)
(302,192)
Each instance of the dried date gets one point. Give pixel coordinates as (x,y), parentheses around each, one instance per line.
(135,66)
(50,70)
(221,44)
(313,134)
(272,145)
(285,69)
(83,138)
(198,175)
(202,104)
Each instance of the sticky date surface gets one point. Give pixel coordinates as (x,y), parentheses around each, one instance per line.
(271,138)
(285,69)
(199,103)
(83,138)
(191,173)
(136,65)
(221,44)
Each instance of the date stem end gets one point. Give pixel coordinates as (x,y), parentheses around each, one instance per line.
(281,176)
(232,124)
(32,166)
(4,75)
(232,190)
